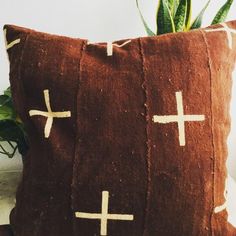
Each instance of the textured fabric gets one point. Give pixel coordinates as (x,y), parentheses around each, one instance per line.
(125,138)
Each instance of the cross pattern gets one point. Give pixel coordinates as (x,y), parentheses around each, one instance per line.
(104,216)
(13,43)
(49,114)
(180,118)
(111,45)
(229,32)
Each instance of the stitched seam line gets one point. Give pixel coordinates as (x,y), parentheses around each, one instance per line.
(21,87)
(148,156)
(77,133)
(20,65)
(213,144)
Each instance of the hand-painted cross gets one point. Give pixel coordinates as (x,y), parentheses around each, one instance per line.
(110,46)
(13,43)
(180,118)
(228,30)
(49,113)
(104,216)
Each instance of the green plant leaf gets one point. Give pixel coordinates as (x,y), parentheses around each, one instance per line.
(6,102)
(170,4)
(13,132)
(173,5)
(4,99)
(9,131)
(180,16)
(7,92)
(11,127)
(198,21)
(165,22)
(148,30)
(7,113)
(222,13)
(188,15)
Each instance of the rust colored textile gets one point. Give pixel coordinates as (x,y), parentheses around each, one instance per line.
(128,144)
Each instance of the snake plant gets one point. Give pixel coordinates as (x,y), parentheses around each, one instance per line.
(176,15)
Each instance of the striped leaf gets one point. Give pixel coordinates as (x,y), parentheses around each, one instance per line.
(188,15)
(165,22)
(7,92)
(4,99)
(180,16)
(7,113)
(148,30)
(222,13)
(173,5)
(198,21)
(170,4)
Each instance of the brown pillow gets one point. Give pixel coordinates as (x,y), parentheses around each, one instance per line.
(126,138)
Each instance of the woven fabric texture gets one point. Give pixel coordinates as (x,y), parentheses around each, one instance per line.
(126,138)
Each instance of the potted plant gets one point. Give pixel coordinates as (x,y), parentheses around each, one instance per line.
(176,16)
(12,130)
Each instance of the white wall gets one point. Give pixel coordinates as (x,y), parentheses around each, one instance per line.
(97,20)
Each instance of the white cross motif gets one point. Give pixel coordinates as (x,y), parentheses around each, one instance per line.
(49,114)
(110,46)
(180,118)
(104,216)
(229,32)
(13,43)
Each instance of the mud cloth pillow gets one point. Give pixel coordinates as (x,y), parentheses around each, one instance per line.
(126,138)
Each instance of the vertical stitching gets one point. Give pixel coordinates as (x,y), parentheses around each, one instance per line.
(19,74)
(20,65)
(213,144)
(22,89)
(82,49)
(148,156)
